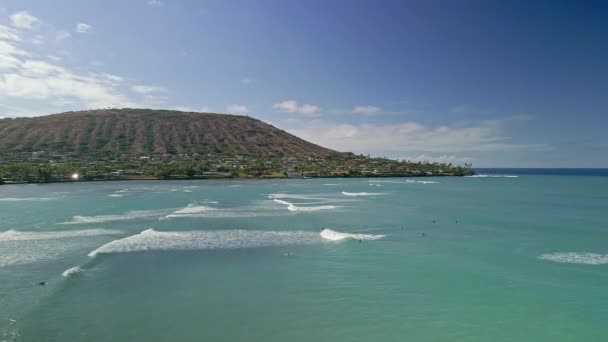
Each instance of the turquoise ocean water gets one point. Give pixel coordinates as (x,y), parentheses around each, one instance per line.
(520,258)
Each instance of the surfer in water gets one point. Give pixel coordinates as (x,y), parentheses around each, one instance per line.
(42,283)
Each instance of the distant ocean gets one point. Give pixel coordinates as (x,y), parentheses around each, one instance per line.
(506,255)
(543,171)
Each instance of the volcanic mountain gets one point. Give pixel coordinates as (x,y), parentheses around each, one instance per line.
(148,131)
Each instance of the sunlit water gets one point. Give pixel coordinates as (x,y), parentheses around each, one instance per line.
(436,259)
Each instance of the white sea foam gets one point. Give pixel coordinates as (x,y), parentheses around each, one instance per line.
(71,271)
(492,176)
(282,202)
(20,199)
(329,234)
(362,193)
(19,248)
(202,211)
(576,258)
(152,240)
(192,209)
(331,184)
(293,207)
(131,215)
(407,181)
(116,195)
(15,235)
(298,196)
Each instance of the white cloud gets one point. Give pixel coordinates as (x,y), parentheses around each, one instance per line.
(147,89)
(54,58)
(24,20)
(292,106)
(8,33)
(61,35)
(156,3)
(35,80)
(366,110)
(246,81)
(237,109)
(83,28)
(410,136)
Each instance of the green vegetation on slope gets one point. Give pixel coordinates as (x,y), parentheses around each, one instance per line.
(160,144)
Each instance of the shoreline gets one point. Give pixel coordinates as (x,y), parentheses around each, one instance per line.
(151,178)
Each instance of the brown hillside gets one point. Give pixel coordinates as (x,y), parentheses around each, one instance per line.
(146,131)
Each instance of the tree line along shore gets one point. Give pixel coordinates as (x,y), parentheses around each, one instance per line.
(38,167)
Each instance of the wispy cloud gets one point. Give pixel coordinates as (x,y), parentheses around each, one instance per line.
(291,106)
(246,81)
(45,84)
(24,20)
(367,110)
(237,109)
(83,28)
(96,63)
(411,136)
(8,33)
(147,89)
(156,3)
(62,35)
(38,39)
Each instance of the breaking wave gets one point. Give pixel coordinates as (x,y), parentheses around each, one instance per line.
(71,271)
(576,258)
(203,211)
(19,199)
(329,234)
(362,193)
(131,215)
(152,240)
(19,248)
(296,196)
(293,207)
(15,235)
(407,181)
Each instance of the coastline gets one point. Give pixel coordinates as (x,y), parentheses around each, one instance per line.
(152,178)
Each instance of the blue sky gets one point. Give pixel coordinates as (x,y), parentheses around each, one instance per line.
(498,84)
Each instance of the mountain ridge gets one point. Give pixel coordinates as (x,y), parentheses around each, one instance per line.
(150,131)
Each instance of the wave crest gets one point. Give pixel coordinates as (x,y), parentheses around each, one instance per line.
(131,215)
(576,258)
(363,193)
(71,271)
(293,207)
(15,235)
(152,240)
(329,234)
